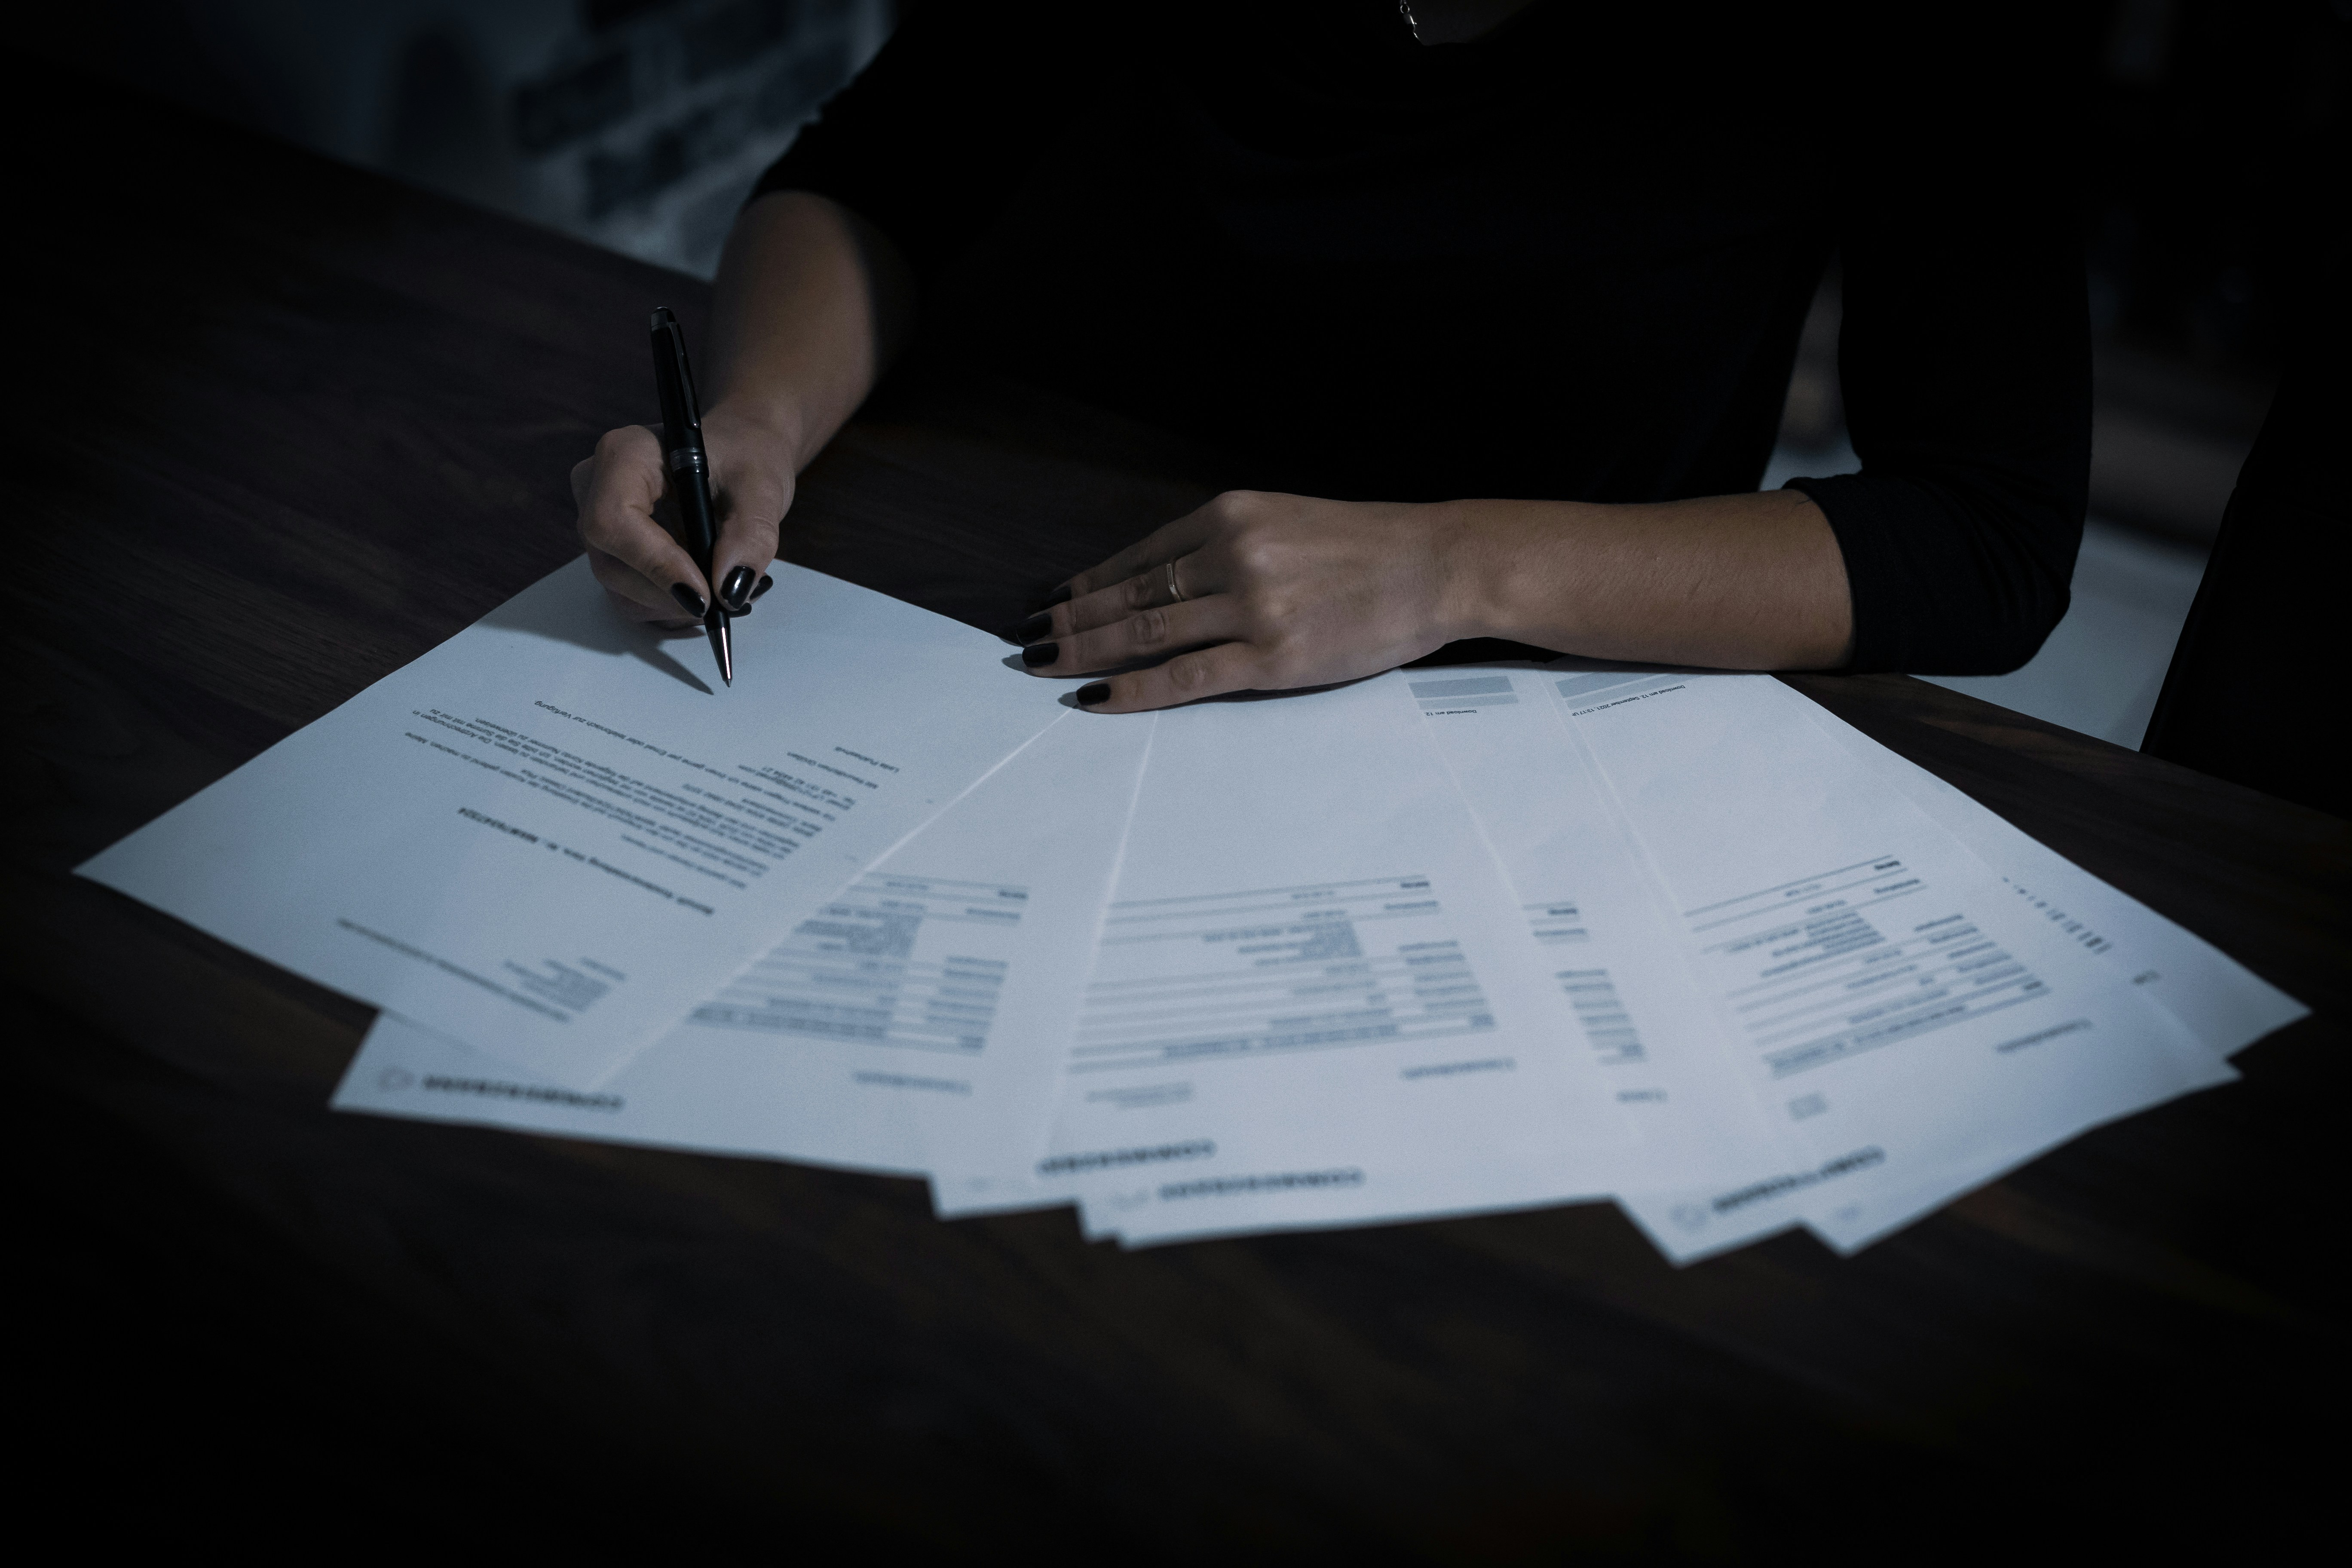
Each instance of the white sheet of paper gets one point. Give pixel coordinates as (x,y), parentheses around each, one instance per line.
(2222,1003)
(1313,1001)
(1070,827)
(871,1030)
(1596,919)
(1897,1004)
(549,837)
(2225,1005)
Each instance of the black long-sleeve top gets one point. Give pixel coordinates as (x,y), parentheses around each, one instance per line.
(1569,260)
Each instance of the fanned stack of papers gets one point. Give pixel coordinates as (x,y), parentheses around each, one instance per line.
(1440,942)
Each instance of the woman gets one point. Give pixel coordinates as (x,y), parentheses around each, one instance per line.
(1413,257)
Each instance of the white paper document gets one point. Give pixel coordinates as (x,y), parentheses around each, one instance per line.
(552,836)
(1444,941)
(2224,1005)
(1597,921)
(894,1022)
(1900,1012)
(1314,1001)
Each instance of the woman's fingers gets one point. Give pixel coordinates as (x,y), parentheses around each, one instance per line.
(617,517)
(650,575)
(752,508)
(1164,543)
(1188,677)
(1152,634)
(1172,581)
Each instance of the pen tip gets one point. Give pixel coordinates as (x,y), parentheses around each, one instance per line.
(722,643)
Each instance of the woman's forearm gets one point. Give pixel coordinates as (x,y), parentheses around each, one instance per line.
(810,303)
(1260,591)
(1738,582)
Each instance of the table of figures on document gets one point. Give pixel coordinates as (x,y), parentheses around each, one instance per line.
(1599,1011)
(1812,979)
(902,961)
(1186,981)
(1558,923)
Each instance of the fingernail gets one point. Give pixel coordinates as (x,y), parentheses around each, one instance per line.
(1094,691)
(1060,595)
(736,589)
(1033,628)
(688,600)
(1038,653)
(765,583)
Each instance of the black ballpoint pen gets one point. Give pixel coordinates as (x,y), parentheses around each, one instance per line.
(689,473)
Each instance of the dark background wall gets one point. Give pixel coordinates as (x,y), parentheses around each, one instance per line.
(2216,189)
(2213,173)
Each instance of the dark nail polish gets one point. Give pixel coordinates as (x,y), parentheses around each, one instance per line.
(1038,653)
(736,589)
(1033,628)
(1060,595)
(1094,691)
(687,600)
(765,583)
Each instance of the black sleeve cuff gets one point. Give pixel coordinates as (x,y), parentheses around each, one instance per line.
(1944,580)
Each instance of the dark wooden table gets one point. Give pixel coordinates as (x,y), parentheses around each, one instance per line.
(284,425)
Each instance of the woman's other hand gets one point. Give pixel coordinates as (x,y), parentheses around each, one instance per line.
(627,520)
(1258,592)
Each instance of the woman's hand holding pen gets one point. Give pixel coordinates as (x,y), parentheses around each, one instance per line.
(795,342)
(625,520)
